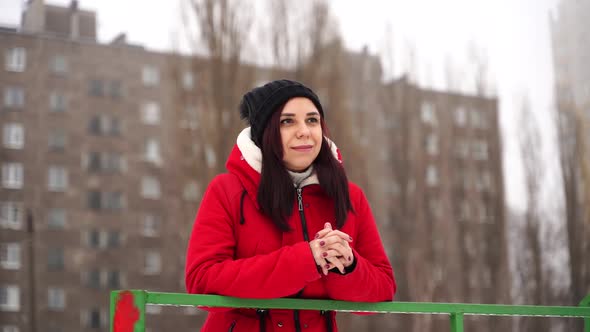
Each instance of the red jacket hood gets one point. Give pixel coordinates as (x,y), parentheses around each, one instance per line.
(245,161)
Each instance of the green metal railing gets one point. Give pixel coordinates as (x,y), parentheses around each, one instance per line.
(128,308)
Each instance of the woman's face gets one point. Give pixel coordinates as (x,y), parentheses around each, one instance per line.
(301,133)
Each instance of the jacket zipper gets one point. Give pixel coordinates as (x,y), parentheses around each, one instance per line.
(301,214)
(306,238)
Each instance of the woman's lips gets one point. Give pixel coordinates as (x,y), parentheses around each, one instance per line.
(302,148)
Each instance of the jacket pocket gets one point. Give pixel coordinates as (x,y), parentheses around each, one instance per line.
(231,327)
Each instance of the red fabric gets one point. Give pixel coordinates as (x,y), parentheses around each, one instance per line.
(256,260)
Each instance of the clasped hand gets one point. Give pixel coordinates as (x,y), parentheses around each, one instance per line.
(331,248)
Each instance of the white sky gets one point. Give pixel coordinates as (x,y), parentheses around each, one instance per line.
(514,34)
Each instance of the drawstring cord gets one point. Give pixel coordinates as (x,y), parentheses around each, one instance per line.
(242,219)
(327,316)
(261,319)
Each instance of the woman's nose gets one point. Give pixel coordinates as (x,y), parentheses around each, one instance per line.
(302,130)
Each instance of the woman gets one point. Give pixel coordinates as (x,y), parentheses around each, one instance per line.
(284,221)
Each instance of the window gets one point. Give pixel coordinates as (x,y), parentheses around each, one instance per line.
(15,59)
(57,178)
(12,215)
(55,259)
(113,280)
(12,175)
(102,239)
(9,298)
(150,187)
(105,162)
(93,319)
(108,201)
(150,76)
(152,262)
(57,102)
(93,278)
(56,218)
(150,113)
(432,144)
(94,200)
(113,201)
(464,211)
(188,80)
(58,64)
(461,149)
(191,118)
(96,88)
(484,182)
(113,239)
(115,89)
(57,140)
(102,88)
(10,256)
(431,176)
(478,119)
(191,191)
(486,213)
(460,116)
(150,225)
(152,151)
(434,208)
(480,150)
(56,299)
(104,125)
(9,328)
(14,97)
(210,156)
(93,239)
(13,136)
(110,126)
(94,163)
(427,113)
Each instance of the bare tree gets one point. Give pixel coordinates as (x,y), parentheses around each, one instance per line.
(530,268)
(573,150)
(223,29)
(481,68)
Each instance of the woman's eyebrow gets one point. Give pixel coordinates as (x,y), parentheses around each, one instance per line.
(308,114)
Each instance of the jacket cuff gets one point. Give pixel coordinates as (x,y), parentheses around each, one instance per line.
(308,261)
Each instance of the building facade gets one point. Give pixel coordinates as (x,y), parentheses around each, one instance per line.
(89,197)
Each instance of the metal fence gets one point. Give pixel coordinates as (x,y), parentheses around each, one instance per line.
(128,308)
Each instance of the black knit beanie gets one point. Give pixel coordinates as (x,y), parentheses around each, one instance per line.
(260,103)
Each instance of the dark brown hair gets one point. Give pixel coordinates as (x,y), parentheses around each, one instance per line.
(276,193)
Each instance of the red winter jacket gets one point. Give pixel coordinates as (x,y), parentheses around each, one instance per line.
(235,250)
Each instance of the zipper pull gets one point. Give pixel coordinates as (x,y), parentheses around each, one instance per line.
(299,199)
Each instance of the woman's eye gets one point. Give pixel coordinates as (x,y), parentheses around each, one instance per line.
(313,120)
(286,121)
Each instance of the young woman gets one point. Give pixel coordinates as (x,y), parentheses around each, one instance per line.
(284,221)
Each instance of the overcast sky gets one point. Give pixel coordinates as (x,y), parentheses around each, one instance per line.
(514,35)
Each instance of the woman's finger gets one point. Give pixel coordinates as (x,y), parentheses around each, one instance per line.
(323,232)
(335,261)
(341,234)
(341,249)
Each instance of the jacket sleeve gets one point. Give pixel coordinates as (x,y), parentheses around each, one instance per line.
(373,270)
(212,269)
